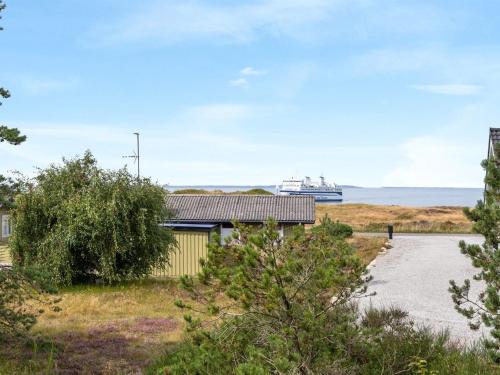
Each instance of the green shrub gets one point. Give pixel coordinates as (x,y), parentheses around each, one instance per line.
(199,355)
(484,310)
(255,191)
(335,229)
(392,343)
(379,342)
(288,309)
(192,191)
(282,289)
(24,294)
(80,223)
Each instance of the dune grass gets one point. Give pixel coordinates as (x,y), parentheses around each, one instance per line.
(374,218)
(101,329)
(367,248)
(113,329)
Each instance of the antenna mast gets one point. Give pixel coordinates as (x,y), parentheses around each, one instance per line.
(136,156)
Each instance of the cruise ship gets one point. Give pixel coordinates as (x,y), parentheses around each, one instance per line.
(322,191)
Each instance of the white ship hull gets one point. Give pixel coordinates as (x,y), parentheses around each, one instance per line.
(322,192)
(319,196)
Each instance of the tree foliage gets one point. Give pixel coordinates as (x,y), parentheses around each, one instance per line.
(80,223)
(334,228)
(11,135)
(284,296)
(285,306)
(24,294)
(486,218)
(8,187)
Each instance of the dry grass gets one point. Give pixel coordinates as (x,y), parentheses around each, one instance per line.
(103,329)
(114,329)
(374,218)
(367,248)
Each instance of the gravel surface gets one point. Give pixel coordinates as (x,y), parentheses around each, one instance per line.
(414,275)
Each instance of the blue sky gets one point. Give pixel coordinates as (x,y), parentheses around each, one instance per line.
(371,93)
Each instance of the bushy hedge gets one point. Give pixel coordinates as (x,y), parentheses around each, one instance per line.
(24,294)
(334,228)
(81,223)
(379,342)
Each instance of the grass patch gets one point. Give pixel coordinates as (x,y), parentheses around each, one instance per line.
(113,329)
(101,329)
(367,248)
(374,218)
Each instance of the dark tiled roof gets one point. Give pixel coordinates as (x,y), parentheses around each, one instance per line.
(495,135)
(243,208)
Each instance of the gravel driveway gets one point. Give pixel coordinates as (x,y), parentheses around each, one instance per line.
(414,275)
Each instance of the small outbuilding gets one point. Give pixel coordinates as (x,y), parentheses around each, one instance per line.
(197,217)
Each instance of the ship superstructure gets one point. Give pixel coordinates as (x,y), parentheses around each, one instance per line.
(322,191)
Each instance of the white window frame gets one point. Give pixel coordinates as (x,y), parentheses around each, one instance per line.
(6,227)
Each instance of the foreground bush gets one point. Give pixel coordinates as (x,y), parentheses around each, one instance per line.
(385,342)
(24,294)
(334,228)
(288,309)
(486,258)
(80,223)
(282,311)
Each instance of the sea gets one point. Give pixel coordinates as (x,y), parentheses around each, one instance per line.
(402,196)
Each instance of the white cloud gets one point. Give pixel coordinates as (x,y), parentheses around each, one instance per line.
(239,82)
(206,144)
(295,78)
(437,61)
(177,20)
(48,142)
(217,114)
(450,89)
(400,60)
(93,132)
(431,161)
(37,86)
(249,71)
(155,21)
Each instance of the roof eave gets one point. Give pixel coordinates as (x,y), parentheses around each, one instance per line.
(310,221)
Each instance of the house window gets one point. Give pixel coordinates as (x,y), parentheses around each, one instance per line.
(224,233)
(281,231)
(5,226)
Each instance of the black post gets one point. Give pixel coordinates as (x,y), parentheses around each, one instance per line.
(390,230)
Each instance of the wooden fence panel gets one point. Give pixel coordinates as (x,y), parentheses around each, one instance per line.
(4,254)
(185,260)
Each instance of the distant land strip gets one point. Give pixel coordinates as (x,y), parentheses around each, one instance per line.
(256,191)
